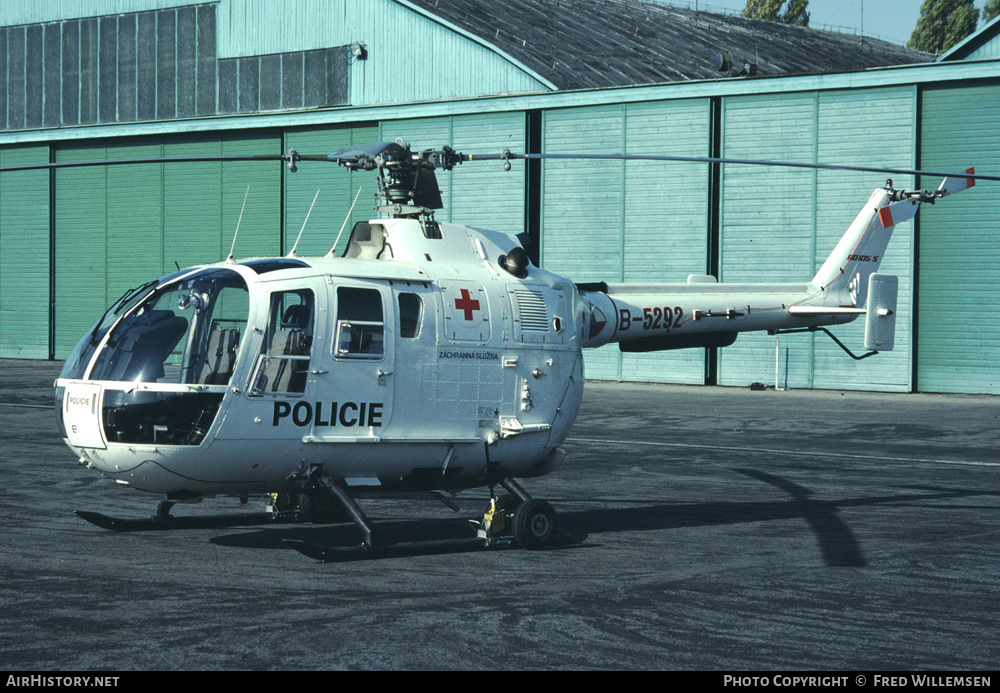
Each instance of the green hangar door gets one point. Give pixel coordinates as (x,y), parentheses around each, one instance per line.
(24,255)
(958,329)
(780,224)
(117,227)
(629,221)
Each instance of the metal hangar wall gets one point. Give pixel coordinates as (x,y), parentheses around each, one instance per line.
(71,241)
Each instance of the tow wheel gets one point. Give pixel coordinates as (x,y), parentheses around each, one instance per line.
(534,524)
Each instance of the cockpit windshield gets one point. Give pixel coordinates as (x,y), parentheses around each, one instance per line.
(186,331)
(77,362)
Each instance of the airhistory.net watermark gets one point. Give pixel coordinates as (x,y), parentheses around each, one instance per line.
(43,681)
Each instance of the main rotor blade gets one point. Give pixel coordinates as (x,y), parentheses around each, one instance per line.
(150,160)
(503,156)
(722,160)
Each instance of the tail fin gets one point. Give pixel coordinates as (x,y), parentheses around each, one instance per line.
(859,253)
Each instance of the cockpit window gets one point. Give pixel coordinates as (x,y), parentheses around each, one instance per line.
(76,365)
(410,309)
(360,325)
(187,331)
(272,265)
(283,365)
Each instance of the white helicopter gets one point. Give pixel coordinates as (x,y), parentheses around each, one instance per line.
(427,357)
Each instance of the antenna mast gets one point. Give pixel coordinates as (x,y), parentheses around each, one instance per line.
(238,222)
(291,253)
(344,225)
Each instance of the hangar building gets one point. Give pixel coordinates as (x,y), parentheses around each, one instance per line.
(124,79)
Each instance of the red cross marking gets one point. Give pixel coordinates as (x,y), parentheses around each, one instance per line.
(466,304)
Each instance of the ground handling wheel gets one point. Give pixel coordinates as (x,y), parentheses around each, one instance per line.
(534,524)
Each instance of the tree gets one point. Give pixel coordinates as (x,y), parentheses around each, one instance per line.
(942,24)
(770,11)
(991,10)
(796,13)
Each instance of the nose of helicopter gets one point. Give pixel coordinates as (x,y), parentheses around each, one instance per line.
(78,412)
(141,468)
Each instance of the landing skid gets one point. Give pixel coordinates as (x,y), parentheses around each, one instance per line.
(338,554)
(163,520)
(511,521)
(169,522)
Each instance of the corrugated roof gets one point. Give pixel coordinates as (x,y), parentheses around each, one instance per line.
(578,44)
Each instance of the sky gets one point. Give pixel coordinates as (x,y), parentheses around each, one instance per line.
(889,20)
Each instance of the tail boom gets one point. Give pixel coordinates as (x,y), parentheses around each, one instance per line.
(703,313)
(678,316)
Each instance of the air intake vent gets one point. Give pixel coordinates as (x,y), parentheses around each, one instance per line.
(532,311)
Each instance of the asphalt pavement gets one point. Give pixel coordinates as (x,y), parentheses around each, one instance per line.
(717,529)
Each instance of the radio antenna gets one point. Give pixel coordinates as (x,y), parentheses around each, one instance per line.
(238,222)
(291,253)
(346,219)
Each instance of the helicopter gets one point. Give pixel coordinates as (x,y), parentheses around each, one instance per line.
(424,357)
